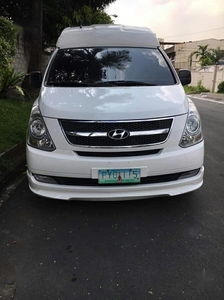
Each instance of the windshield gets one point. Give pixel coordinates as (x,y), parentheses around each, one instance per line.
(109,66)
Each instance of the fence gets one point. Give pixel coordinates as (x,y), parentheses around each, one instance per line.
(210,76)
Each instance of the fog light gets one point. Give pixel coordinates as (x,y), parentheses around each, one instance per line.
(189,174)
(44,179)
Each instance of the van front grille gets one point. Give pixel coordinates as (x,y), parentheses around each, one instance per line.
(127,133)
(118,154)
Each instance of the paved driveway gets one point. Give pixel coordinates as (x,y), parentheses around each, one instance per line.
(164,248)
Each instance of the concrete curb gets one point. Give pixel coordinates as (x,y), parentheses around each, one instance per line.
(208,97)
(12,163)
(218,97)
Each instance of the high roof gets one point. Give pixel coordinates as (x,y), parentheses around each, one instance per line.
(107,36)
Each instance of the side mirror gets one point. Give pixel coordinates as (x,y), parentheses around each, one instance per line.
(185,76)
(35,79)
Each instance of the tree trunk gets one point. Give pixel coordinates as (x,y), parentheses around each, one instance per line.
(36,41)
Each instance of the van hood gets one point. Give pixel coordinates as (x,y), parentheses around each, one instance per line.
(111,103)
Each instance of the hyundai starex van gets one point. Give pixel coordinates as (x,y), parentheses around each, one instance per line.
(112,120)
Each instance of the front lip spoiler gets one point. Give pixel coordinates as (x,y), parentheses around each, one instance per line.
(116,193)
(73,181)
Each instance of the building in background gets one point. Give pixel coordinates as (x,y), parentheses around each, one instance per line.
(180,52)
(161,42)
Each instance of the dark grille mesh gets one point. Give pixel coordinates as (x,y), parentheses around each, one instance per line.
(118,154)
(76,126)
(106,142)
(70,125)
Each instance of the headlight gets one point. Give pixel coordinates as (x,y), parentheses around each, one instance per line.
(193,125)
(37,128)
(192,132)
(38,135)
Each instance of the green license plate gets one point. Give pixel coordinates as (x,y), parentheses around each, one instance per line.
(119,176)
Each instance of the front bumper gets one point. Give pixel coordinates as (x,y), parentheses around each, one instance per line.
(101,193)
(69,164)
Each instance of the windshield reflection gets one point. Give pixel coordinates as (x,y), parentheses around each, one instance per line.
(115,66)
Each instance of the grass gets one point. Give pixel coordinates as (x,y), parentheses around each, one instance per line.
(14,116)
(199,88)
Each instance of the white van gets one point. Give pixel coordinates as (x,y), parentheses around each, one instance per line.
(112,120)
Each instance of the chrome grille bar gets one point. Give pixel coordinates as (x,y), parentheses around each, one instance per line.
(133,133)
(105,134)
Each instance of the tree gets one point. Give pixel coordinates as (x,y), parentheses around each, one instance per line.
(202,51)
(217,55)
(36,40)
(207,56)
(84,16)
(54,12)
(204,55)
(207,61)
(53,16)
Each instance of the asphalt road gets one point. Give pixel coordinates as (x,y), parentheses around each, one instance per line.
(163,248)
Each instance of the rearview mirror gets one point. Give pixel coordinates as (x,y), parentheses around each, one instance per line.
(185,76)
(35,79)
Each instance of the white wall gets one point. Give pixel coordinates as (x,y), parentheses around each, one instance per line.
(206,75)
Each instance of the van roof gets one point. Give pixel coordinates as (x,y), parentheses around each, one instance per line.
(107,36)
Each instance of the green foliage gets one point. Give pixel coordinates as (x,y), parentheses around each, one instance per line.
(8,34)
(85,16)
(217,55)
(221,87)
(54,12)
(195,89)
(202,52)
(207,56)
(207,61)
(201,88)
(11,80)
(100,17)
(7,44)
(204,55)
(14,120)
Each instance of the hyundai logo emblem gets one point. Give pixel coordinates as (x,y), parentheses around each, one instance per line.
(118,134)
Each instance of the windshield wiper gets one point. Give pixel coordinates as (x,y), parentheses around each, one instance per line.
(130,83)
(98,83)
(69,84)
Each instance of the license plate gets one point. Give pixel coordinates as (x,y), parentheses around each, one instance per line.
(119,176)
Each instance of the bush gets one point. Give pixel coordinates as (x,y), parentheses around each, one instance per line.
(201,88)
(221,87)
(7,45)
(7,41)
(189,89)
(11,80)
